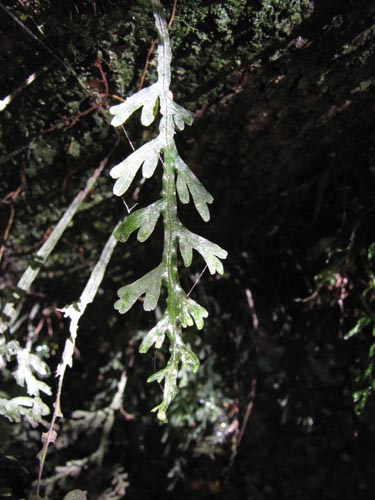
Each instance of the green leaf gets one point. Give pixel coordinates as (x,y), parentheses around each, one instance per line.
(371,252)
(209,251)
(161,411)
(152,159)
(33,409)
(368,372)
(188,357)
(158,375)
(149,284)
(146,97)
(182,188)
(360,398)
(186,250)
(180,310)
(38,365)
(125,171)
(144,219)
(187,181)
(24,374)
(169,374)
(181,116)
(358,327)
(193,313)
(155,336)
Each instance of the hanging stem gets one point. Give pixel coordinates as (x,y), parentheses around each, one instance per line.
(10,312)
(170,216)
(74,312)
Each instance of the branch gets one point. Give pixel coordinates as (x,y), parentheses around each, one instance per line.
(44,252)
(75,312)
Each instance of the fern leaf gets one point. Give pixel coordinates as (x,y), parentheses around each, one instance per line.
(211,252)
(181,116)
(187,181)
(178,180)
(126,170)
(158,376)
(155,336)
(28,364)
(169,374)
(33,409)
(149,285)
(146,97)
(188,358)
(193,313)
(144,219)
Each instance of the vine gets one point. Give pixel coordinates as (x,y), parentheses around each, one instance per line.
(177,181)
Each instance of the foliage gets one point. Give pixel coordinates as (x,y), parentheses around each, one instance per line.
(181,311)
(286,145)
(365,323)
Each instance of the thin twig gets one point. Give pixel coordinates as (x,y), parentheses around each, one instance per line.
(253,386)
(197,281)
(250,302)
(28,81)
(44,252)
(12,196)
(103,75)
(252,394)
(98,105)
(128,138)
(67,66)
(248,412)
(75,312)
(7,230)
(147,63)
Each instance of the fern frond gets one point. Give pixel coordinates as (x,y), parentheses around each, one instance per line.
(178,179)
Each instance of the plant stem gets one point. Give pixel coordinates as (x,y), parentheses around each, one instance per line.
(169,150)
(170,217)
(28,277)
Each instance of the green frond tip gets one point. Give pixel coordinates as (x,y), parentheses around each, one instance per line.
(188,182)
(158,376)
(169,374)
(188,358)
(146,98)
(144,219)
(155,336)
(191,313)
(149,285)
(161,412)
(181,116)
(125,171)
(211,252)
(180,352)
